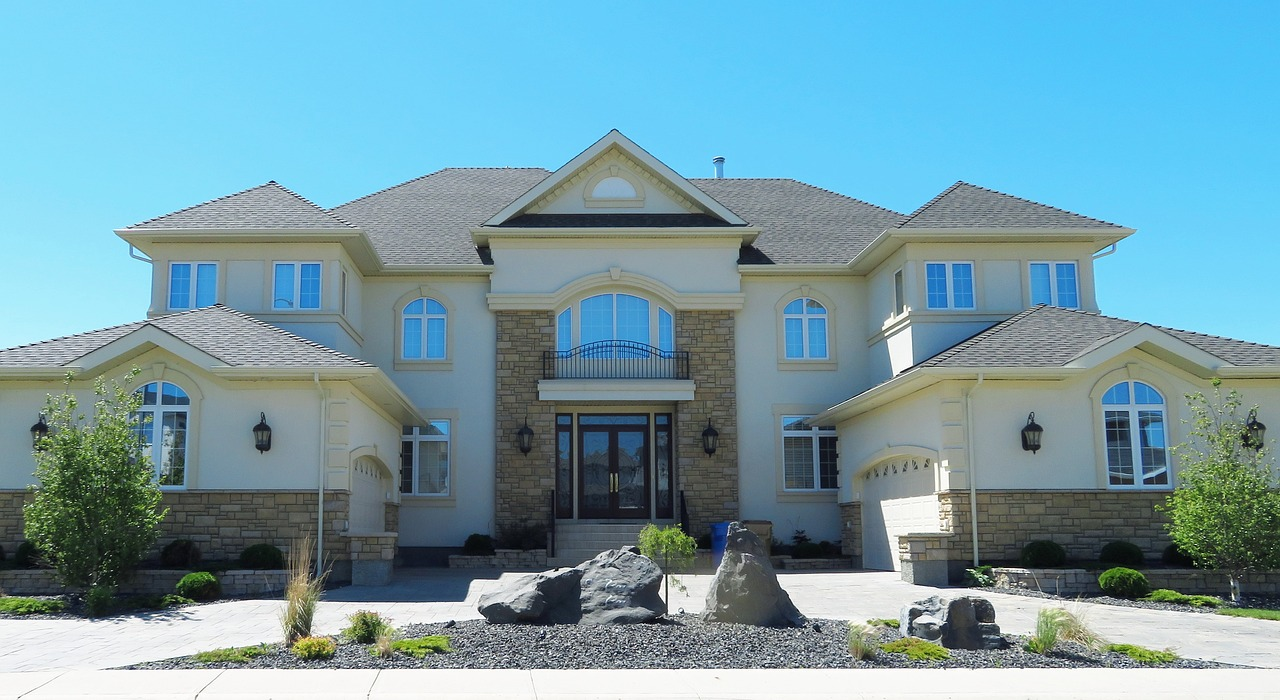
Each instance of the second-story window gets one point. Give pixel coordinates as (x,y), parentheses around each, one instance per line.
(804,324)
(192,285)
(615,317)
(949,285)
(296,286)
(1054,283)
(424,325)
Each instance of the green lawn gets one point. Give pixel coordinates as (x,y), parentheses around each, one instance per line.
(1251,612)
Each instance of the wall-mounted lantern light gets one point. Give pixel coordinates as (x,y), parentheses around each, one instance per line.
(262,434)
(1254,431)
(1031,433)
(710,439)
(524,438)
(38,431)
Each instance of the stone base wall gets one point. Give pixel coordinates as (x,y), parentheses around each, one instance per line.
(1074,582)
(508,559)
(709,482)
(786,563)
(523,483)
(851,531)
(11,520)
(925,557)
(235,583)
(1080,521)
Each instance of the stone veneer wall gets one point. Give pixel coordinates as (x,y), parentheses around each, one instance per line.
(851,531)
(523,483)
(710,483)
(11,520)
(1080,521)
(223,523)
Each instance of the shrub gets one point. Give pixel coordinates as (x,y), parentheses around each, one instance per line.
(419,647)
(1121,553)
(200,585)
(262,556)
(313,648)
(862,641)
(523,536)
(704,542)
(1,552)
(99,600)
(232,655)
(364,626)
(302,593)
(155,602)
(478,543)
(1124,583)
(806,550)
(671,548)
(180,553)
(1143,654)
(891,622)
(16,605)
(28,555)
(1043,554)
(979,577)
(1164,595)
(1174,556)
(917,649)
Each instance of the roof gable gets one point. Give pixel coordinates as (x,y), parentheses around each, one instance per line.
(966,206)
(267,206)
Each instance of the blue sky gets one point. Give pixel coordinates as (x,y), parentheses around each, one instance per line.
(1158,116)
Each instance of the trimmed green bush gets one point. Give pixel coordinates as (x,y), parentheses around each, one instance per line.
(232,655)
(524,536)
(1143,655)
(312,648)
(262,556)
(180,554)
(100,600)
(1122,553)
(27,556)
(1042,554)
(478,544)
(1164,595)
(917,649)
(16,605)
(1124,583)
(1174,556)
(421,646)
(200,585)
(364,626)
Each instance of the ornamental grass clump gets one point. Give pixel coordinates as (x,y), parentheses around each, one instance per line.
(302,592)
(862,641)
(382,645)
(1054,625)
(314,648)
(917,649)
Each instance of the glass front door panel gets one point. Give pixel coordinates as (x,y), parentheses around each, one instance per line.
(614,470)
(632,454)
(597,478)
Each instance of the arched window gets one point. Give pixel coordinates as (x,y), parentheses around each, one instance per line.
(1136,438)
(615,317)
(162,430)
(423,328)
(804,323)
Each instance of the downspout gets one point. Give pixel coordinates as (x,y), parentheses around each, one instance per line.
(1105,253)
(324,409)
(973,467)
(133,254)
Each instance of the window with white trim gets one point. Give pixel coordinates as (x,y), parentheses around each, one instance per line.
(296,285)
(162,431)
(949,285)
(615,317)
(808,455)
(424,459)
(1135,436)
(192,285)
(899,294)
(423,329)
(804,327)
(1055,284)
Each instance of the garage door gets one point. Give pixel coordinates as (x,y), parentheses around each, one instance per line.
(897,498)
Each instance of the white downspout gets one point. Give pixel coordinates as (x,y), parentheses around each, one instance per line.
(324,408)
(973,467)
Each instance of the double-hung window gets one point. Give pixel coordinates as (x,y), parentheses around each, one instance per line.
(1133,422)
(424,459)
(192,285)
(804,325)
(162,431)
(808,455)
(949,285)
(296,285)
(423,328)
(1055,284)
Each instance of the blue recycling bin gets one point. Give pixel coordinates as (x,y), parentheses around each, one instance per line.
(719,535)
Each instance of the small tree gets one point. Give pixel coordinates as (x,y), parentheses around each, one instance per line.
(673,549)
(96,510)
(1226,512)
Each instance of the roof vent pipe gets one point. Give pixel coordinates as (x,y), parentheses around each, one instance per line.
(718,162)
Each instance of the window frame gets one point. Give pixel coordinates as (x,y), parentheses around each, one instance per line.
(425,317)
(193,285)
(411,436)
(660,320)
(950,280)
(817,435)
(1132,411)
(1054,292)
(295,300)
(147,414)
(806,329)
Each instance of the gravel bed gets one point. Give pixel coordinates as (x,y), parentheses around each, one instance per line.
(680,642)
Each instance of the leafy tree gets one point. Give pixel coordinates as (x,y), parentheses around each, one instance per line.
(671,548)
(1225,513)
(96,510)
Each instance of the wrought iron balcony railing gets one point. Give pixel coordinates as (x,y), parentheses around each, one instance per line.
(615,359)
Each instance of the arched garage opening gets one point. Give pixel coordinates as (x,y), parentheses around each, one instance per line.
(899,496)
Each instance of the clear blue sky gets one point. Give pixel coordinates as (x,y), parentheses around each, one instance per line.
(1160,116)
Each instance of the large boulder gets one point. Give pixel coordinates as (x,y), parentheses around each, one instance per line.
(959,623)
(616,587)
(533,599)
(745,588)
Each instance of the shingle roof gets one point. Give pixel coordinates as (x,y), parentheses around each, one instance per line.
(428,220)
(235,338)
(1048,336)
(266,206)
(799,223)
(968,206)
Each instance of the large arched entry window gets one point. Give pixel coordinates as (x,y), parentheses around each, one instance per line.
(1136,436)
(162,430)
(606,317)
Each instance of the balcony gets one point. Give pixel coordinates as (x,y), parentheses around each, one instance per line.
(616,371)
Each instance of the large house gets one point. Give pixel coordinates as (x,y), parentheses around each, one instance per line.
(611,344)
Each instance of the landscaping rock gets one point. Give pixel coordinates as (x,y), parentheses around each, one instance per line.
(960,623)
(620,587)
(534,599)
(745,589)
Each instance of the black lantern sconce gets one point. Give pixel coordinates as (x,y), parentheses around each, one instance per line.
(262,434)
(1031,433)
(710,439)
(524,438)
(1254,431)
(38,431)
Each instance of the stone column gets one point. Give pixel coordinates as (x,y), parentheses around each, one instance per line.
(523,482)
(710,483)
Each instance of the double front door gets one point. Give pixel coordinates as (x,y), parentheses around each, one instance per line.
(615,465)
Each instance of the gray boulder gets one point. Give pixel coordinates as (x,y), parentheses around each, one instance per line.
(959,623)
(745,589)
(620,587)
(532,599)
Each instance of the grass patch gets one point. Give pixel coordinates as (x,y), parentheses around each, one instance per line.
(1164,595)
(884,622)
(17,605)
(232,655)
(862,641)
(1143,654)
(917,649)
(421,646)
(1254,613)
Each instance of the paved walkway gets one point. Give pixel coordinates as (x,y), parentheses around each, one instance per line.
(40,649)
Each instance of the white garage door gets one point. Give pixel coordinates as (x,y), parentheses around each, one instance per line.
(897,498)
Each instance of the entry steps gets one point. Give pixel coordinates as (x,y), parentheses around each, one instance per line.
(580,540)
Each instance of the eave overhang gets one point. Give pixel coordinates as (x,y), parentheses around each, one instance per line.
(353,240)
(888,242)
(745,235)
